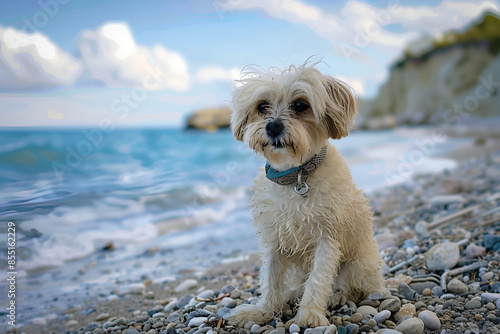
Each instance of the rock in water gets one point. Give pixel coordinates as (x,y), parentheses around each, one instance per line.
(442,256)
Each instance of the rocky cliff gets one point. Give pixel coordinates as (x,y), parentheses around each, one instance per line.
(455,74)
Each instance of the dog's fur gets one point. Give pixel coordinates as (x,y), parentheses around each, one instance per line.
(317,250)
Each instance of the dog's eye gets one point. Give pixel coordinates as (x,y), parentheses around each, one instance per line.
(299,106)
(263,107)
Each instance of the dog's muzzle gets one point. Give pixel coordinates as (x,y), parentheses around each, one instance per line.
(274,129)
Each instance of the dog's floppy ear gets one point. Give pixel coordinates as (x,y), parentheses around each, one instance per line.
(340,108)
(239,121)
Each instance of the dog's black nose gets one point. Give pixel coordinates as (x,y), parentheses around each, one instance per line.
(274,129)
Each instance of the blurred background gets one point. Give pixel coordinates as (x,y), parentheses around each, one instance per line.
(116,163)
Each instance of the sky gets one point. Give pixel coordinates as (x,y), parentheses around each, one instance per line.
(151,63)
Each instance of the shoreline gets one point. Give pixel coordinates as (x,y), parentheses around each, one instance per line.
(405,243)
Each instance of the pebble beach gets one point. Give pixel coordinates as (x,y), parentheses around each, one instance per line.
(439,235)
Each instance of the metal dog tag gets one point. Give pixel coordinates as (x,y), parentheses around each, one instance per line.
(301,189)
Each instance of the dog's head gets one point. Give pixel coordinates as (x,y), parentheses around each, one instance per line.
(288,115)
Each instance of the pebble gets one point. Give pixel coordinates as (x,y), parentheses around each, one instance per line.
(407,292)
(183,301)
(352,329)
(186,285)
(341,330)
(197,321)
(223,311)
(473,304)
(442,256)
(430,319)
(456,287)
(406,309)
(446,199)
(473,251)
(102,316)
(437,291)
(382,316)
(490,296)
(427,292)
(411,326)
(376,296)
(206,294)
(486,276)
(366,310)
(294,328)
(255,328)
(332,329)
(356,317)
(372,303)
(392,305)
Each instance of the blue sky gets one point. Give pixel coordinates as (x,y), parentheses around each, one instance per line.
(75,62)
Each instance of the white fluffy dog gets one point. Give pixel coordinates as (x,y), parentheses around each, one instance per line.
(313,224)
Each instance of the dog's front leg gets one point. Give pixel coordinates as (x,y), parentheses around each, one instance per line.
(272,292)
(318,287)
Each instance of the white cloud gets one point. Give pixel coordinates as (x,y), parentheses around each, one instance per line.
(361,27)
(112,56)
(33,60)
(213,73)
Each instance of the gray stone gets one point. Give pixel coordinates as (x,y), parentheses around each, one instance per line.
(473,304)
(197,321)
(249,324)
(447,296)
(442,256)
(456,287)
(392,305)
(411,326)
(376,296)
(207,294)
(183,301)
(430,319)
(108,324)
(332,329)
(130,331)
(92,325)
(437,291)
(186,285)
(223,311)
(255,328)
(382,316)
(315,330)
(227,289)
(407,292)
(159,315)
(446,199)
(170,306)
(352,329)
(173,317)
(487,276)
(367,310)
(294,328)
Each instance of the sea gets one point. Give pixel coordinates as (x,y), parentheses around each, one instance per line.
(97,209)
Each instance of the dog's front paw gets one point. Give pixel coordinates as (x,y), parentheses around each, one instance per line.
(246,312)
(309,318)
